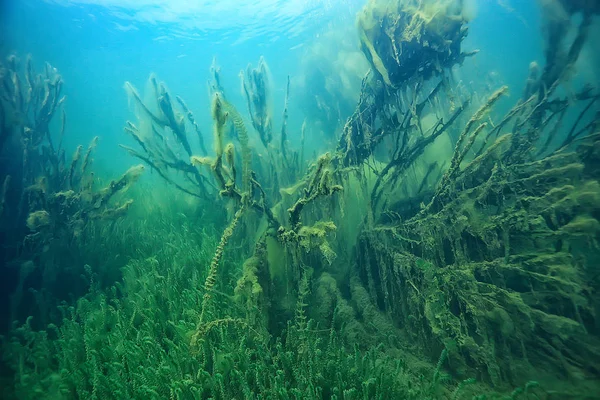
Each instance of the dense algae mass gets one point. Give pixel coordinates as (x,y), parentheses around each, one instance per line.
(445,247)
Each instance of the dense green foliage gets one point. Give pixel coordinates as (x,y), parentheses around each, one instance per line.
(443,249)
(132,339)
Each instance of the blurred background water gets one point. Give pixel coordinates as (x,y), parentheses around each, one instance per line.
(98,45)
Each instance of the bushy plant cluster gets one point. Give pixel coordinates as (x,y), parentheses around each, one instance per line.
(133,340)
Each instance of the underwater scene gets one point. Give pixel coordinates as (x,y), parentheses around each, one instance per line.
(300,199)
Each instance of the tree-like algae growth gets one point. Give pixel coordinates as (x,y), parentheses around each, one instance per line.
(445,249)
(50,201)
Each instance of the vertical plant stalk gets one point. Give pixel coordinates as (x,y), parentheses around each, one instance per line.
(242,135)
(211,279)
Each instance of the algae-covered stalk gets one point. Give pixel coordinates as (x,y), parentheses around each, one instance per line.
(151,134)
(219,116)
(211,278)
(257,89)
(406,39)
(246,153)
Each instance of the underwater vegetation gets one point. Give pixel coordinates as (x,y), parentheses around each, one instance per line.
(49,200)
(381,269)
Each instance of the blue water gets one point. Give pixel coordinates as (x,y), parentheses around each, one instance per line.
(98,45)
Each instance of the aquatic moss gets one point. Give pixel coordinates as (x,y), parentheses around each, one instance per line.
(496,275)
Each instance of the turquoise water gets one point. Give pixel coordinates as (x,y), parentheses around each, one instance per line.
(97,47)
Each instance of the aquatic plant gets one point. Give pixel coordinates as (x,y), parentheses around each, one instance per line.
(473,264)
(256,85)
(133,341)
(406,39)
(153,139)
(29,102)
(57,194)
(54,203)
(404,249)
(464,277)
